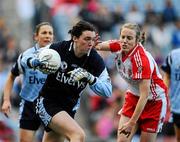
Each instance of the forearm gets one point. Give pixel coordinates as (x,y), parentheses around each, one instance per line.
(144,89)
(103,46)
(8,87)
(102,86)
(25,61)
(139,108)
(166,79)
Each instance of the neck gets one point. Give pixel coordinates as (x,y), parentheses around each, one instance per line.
(76,51)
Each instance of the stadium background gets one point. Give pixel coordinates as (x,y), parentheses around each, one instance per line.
(160,19)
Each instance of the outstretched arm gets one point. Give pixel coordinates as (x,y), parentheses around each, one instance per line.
(110,45)
(103,46)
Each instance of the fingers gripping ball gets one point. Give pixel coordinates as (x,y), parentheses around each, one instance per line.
(51,61)
(81,74)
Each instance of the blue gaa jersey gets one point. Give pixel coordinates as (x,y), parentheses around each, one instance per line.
(33,80)
(172,67)
(62,90)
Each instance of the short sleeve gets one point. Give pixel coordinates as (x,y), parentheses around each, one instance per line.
(114,46)
(141,66)
(166,66)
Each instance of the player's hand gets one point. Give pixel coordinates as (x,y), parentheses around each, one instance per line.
(126,129)
(44,66)
(47,68)
(81,74)
(97,40)
(6,107)
(35,62)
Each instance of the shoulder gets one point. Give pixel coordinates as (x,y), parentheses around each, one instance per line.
(175,52)
(96,63)
(139,52)
(60,45)
(30,50)
(94,56)
(141,57)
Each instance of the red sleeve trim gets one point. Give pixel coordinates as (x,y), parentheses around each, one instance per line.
(114,46)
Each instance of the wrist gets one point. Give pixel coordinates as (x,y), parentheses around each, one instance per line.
(29,62)
(132,123)
(98,47)
(92,80)
(6,99)
(34,62)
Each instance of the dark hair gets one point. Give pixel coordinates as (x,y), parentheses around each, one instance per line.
(40,25)
(80,27)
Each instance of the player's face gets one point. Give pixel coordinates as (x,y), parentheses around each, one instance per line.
(45,35)
(128,39)
(84,43)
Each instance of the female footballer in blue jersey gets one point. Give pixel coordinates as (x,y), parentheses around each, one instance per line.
(171,69)
(60,95)
(32,82)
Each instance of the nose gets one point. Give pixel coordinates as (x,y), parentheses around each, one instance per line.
(125,40)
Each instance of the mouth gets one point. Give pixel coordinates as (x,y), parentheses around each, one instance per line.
(47,41)
(124,46)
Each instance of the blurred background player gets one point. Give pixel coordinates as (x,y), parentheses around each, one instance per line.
(32,82)
(18,19)
(171,76)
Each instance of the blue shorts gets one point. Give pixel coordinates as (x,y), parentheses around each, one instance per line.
(176,119)
(28,118)
(47,108)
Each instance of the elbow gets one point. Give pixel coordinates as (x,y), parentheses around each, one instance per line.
(108,92)
(103,89)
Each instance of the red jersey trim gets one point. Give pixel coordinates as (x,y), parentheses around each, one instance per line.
(114,46)
(140,64)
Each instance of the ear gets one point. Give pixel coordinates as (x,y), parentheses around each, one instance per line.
(74,38)
(35,37)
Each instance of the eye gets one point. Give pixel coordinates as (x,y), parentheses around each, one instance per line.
(50,33)
(122,37)
(129,37)
(44,32)
(88,39)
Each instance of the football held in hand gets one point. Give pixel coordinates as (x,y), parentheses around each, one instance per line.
(51,60)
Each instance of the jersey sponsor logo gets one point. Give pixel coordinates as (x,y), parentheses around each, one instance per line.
(177,76)
(33,72)
(122,70)
(126,74)
(35,80)
(61,77)
(177,72)
(177,67)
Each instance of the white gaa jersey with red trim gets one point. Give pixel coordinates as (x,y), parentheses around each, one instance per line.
(137,65)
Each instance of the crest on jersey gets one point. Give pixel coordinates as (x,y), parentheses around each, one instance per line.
(139,70)
(129,72)
(63,66)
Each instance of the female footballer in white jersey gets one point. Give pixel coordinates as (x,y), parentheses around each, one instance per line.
(145,100)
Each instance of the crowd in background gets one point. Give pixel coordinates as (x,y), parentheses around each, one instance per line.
(159,19)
